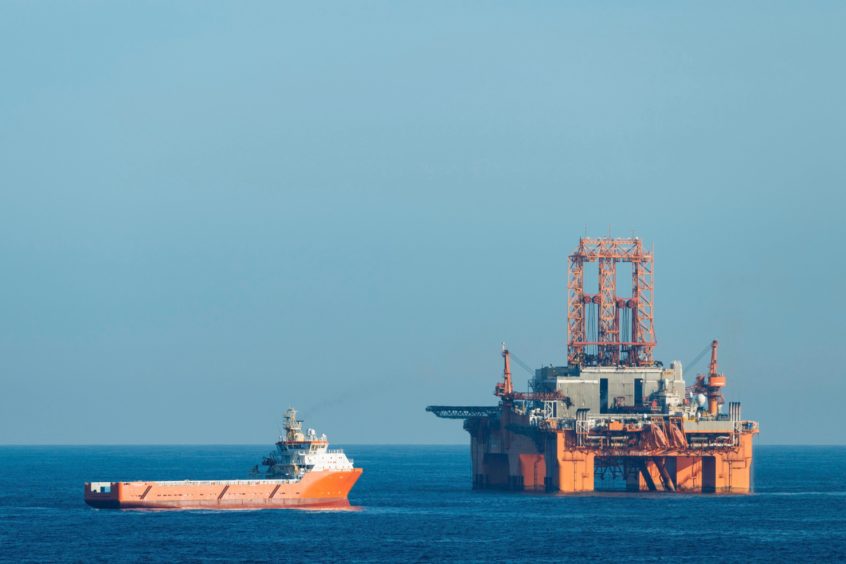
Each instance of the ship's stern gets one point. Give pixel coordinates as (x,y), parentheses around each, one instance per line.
(103,495)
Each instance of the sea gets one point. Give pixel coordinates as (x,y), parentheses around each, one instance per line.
(416,504)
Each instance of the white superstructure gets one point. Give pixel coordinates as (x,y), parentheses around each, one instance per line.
(297,453)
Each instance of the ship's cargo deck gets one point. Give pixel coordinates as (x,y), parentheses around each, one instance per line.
(301,472)
(315,489)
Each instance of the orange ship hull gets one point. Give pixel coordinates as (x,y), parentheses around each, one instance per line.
(323,489)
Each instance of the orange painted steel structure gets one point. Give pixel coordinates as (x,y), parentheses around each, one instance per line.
(712,387)
(522,444)
(611,348)
(509,452)
(314,490)
(302,473)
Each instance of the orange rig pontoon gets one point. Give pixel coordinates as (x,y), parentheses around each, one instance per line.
(612,410)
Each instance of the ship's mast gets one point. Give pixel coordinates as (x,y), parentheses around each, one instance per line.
(293,426)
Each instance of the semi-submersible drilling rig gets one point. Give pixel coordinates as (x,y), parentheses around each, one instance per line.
(612,411)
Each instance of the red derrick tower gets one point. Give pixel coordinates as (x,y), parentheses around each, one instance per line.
(605,329)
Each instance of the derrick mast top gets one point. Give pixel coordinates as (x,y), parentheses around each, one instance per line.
(605,329)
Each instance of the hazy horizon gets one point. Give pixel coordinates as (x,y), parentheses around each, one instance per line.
(341,445)
(212,211)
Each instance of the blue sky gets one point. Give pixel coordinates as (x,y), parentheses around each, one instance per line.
(210,211)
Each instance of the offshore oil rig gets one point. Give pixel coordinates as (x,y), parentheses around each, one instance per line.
(613,411)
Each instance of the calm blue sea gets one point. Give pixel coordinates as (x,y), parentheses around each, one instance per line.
(415,504)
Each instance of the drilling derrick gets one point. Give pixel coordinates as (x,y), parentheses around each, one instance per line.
(608,342)
(612,410)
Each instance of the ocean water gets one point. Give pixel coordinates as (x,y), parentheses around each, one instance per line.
(414,503)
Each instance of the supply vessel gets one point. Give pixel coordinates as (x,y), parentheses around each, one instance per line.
(302,472)
(613,417)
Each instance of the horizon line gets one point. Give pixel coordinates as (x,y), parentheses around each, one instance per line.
(344,444)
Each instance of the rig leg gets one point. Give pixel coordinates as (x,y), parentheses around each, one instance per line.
(532,471)
(568,470)
(661,463)
(729,472)
(496,470)
(650,480)
(688,474)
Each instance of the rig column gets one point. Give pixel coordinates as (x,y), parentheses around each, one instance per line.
(568,470)
(478,429)
(533,471)
(729,472)
(689,474)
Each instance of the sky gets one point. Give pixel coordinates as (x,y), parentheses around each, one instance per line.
(212,211)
